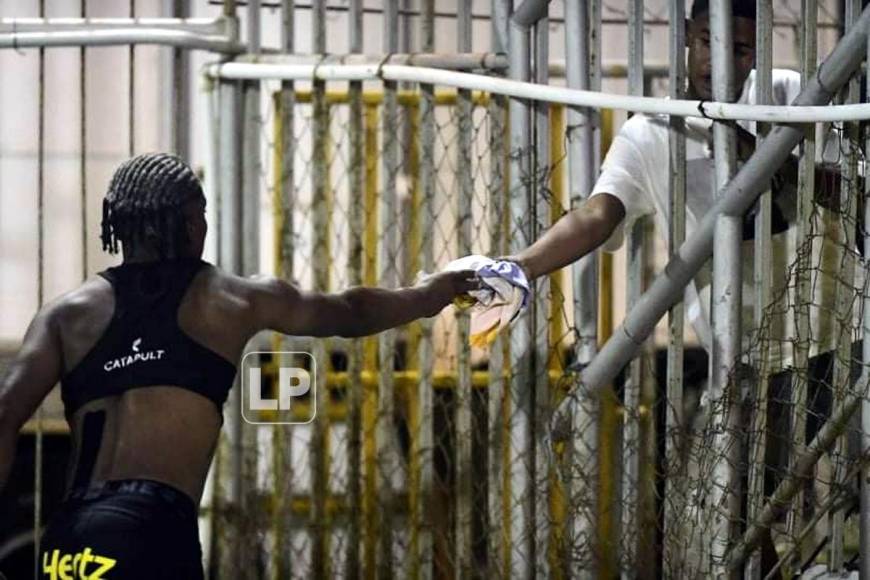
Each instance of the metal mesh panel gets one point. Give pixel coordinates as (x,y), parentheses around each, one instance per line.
(429,480)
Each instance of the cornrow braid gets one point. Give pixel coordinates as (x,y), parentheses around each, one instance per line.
(144,204)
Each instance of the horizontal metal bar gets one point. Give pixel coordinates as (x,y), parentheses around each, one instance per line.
(469,61)
(547,93)
(198,25)
(405,98)
(453,61)
(486,15)
(120,37)
(410,379)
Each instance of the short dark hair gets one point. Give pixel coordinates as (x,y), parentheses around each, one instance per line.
(743,8)
(144,204)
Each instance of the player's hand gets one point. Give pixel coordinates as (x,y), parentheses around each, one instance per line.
(444,287)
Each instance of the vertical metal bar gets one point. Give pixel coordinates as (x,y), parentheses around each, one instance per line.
(762,256)
(231,260)
(631,444)
(424,436)
(675,481)
(582,461)
(520,451)
(542,210)
(595,74)
(496,388)
(464,461)
(726,307)
(607,505)
(282,439)
(83,140)
(252,166)
(389,228)
(413,333)
(131,91)
(180,91)
(496,523)
(500,11)
(415,238)
(288,149)
(355,278)
(211,184)
(413,265)
(463,447)
(370,358)
(845,298)
(864,491)
(286,188)
(803,298)
(581,162)
(40,299)
(320,234)
(558,550)
(406,37)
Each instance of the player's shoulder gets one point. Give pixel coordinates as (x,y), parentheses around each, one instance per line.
(94,293)
(243,290)
(221,285)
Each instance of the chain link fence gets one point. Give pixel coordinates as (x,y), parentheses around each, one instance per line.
(424,460)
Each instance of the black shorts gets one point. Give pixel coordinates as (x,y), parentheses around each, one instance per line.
(132,528)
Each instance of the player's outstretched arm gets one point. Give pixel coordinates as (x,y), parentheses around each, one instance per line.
(577,233)
(35,369)
(358,311)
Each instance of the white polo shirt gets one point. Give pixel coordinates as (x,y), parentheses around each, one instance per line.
(636,171)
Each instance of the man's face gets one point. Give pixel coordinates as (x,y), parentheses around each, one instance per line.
(700,67)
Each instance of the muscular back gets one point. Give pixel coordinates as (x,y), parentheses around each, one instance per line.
(160,432)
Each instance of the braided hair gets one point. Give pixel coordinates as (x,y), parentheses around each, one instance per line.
(144,205)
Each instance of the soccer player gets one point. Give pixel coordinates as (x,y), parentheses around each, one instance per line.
(146,353)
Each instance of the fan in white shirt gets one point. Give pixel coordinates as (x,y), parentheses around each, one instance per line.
(634,182)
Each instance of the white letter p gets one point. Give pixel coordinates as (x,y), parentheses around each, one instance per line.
(286,388)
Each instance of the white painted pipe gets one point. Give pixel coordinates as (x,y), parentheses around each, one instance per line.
(114,37)
(198,25)
(533,91)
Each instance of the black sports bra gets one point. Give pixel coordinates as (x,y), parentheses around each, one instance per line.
(143,344)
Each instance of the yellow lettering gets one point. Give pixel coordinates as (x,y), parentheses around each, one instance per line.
(75,568)
(65,568)
(106,563)
(50,569)
(87,558)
